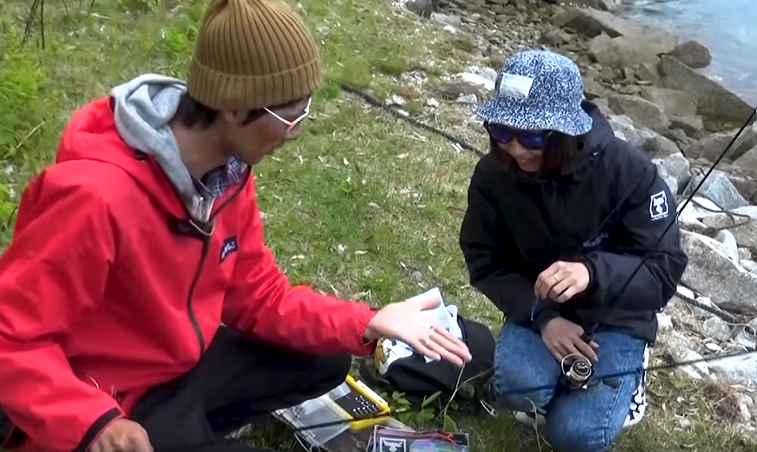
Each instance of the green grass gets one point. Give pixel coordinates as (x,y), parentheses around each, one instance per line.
(363,205)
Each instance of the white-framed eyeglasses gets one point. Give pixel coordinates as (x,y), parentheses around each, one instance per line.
(292,124)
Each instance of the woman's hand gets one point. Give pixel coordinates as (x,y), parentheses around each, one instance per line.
(405,321)
(563,337)
(561,281)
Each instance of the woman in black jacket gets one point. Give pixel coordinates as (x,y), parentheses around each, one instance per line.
(560,214)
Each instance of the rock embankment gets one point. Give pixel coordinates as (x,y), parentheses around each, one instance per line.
(648,84)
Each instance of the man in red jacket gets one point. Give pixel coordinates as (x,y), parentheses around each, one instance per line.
(144,236)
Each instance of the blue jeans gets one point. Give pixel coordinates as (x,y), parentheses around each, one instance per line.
(575,421)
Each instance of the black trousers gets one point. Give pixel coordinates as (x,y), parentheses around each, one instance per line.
(236,381)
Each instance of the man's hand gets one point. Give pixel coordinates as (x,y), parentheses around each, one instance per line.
(123,435)
(404,321)
(561,281)
(563,337)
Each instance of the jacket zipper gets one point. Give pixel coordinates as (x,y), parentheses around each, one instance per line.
(198,272)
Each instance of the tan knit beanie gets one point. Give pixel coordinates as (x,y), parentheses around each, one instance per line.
(251,54)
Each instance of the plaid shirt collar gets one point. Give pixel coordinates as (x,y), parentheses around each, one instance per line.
(219,180)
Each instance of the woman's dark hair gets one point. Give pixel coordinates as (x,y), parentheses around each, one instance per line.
(560,151)
(191,113)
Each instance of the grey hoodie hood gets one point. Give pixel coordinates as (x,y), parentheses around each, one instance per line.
(143,108)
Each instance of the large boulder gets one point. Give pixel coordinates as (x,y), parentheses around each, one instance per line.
(711,146)
(674,169)
(713,100)
(711,272)
(625,129)
(719,189)
(692,126)
(629,51)
(748,162)
(693,54)
(673,102)
(642,112)
(592,22)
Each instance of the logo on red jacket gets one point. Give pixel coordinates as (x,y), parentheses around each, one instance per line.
(229,246)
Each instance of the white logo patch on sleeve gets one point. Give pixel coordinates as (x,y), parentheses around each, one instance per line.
(658,206)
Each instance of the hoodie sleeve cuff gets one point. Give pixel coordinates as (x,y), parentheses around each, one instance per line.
(592,287)
(363,315)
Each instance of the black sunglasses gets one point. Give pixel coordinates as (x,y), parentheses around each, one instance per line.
(529,139)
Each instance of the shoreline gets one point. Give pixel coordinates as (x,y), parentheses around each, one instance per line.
(720,69)
(615,55)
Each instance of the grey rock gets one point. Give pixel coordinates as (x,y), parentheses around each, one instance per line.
(694,213)
(736,370)
(742,229)
(649,72)
(447,19)
(717,188)
(746,142)
(713,100)
(746,186)
(744,256)
(591,22)
(692,126)
(749,265)
(716,328)
(628,52)
(677,136)
(750,211)
(423,8)
(485,72)
(693,54)
(729,243)
(734,289)
(709,147)
(675,166)
(680,348)
(642,112)
(602,5)
(623,126)
(660,147)
(672,102)
(748,162)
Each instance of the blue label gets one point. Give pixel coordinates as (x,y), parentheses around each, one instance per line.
(229,246)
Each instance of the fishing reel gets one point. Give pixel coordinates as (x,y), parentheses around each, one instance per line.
(577,373)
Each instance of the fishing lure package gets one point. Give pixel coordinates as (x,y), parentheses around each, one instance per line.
(386,439)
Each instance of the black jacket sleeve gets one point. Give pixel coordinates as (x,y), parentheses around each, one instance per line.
(493,260)
(643,220)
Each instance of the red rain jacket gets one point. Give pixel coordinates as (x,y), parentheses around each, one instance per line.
(101,297)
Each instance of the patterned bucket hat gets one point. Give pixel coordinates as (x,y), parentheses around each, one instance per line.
(538,90)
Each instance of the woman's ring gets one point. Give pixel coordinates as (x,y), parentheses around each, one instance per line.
(556,278)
